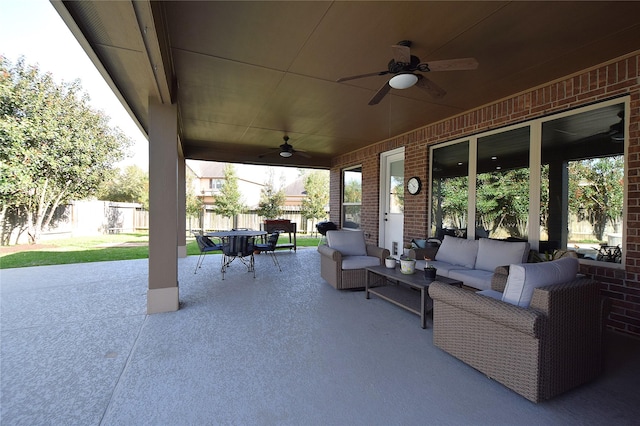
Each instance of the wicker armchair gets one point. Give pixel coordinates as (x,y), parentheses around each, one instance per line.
(345,256)
(538,352)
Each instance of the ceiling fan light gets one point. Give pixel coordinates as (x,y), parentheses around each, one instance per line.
(403,81)
(285,154)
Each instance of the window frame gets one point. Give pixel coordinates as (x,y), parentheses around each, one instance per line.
(535,131)
(343,204)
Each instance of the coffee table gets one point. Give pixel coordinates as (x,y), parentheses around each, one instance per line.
(409,291)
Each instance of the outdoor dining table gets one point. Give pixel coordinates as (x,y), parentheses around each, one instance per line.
(232,249)
(237,233)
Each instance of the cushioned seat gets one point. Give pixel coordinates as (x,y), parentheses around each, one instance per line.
(474,261)
(345,256)
(476,278)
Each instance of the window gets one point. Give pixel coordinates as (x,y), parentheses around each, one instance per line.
(502,185)
(450,190)
(215,184)
(396,187)
(582,190)
(351,197)
(557,182)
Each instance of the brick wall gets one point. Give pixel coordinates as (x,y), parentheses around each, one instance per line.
(616,78)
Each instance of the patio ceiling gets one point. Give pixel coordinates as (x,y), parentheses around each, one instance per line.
(244,74)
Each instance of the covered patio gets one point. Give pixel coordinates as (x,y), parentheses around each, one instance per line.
(286,348)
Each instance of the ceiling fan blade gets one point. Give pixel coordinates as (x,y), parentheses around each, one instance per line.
(301,153)
(340,80)
(430,87)
(271,152)
(460,64)
(381,93)
(401,54)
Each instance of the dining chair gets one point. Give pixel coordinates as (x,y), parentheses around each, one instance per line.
(238,247)
(270,247)
(206,245)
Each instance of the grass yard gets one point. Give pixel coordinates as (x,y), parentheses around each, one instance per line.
(94,249)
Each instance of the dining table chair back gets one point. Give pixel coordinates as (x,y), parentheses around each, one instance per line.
(238,247)
(206,245)
(270,248)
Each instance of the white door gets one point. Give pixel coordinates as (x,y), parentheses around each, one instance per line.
(392,201)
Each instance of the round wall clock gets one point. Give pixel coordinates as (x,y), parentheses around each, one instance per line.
(414,185)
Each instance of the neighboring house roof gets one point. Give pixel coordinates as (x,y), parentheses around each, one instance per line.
(215,170)
(250,179)
(206,169)
(294,192)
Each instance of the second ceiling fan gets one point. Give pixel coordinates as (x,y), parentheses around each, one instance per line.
(404,66)
(285,150)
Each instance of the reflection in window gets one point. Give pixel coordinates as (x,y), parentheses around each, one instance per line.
(396,186)
(449,190)
(581,185)
(582,189)
(502,185)
(352,198)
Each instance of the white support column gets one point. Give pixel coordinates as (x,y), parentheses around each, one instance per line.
(182,207)
(163,293)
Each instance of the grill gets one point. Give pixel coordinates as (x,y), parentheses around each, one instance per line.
(323,227)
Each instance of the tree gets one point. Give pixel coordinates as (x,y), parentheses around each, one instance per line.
(502,201)
(271,201)
(451,201)
(130,185)
(229,203)
(194,204)
(596,191)
(53,146)
(353,191)
(316,186)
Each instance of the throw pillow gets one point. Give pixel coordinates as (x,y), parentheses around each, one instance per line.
(349,243)
(458,251)
(418,243)
(494,253)
(525,278)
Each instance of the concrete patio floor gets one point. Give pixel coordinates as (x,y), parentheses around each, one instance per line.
(286,348)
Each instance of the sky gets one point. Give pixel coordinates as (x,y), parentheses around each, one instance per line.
(33,29)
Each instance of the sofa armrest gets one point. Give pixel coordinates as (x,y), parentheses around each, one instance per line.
(499,278)
(329,252)
(578,296)
(528,321)
(375,251)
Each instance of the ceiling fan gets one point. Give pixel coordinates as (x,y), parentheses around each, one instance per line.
(616,131)
(285,150)
(404,65)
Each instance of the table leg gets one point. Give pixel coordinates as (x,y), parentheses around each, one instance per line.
(423,303)
(366,285)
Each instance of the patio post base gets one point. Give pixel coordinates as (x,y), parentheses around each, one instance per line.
(161,300)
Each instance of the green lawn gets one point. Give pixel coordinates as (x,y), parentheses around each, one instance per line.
(97,249)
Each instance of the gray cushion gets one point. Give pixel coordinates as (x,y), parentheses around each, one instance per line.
(444,268)
(494,253)
(458,251)
(525,278)
(490,293)
(359,262)
(349,243)
(476,278)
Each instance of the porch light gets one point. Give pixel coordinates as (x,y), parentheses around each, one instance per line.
(403,81)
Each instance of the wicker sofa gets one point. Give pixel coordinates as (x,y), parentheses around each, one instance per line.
(539,351)
(472,261)
(345,256)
